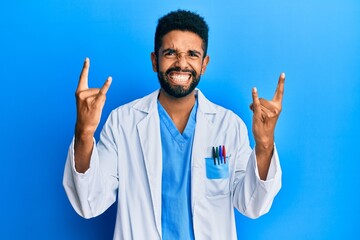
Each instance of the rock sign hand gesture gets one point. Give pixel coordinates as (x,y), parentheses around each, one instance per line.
(266,114)
(89,104)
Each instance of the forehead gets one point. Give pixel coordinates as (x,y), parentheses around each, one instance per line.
(182,41)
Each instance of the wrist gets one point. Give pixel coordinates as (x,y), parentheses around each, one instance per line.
(83,135)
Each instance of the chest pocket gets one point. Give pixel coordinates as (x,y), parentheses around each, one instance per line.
(217,178)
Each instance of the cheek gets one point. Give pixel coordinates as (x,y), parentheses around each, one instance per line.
(199,69)
(163,66)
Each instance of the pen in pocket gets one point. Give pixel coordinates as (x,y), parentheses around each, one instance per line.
(219,155)
(214,155)
(224,154)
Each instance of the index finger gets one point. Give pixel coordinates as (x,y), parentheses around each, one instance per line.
(83,80)
(256,106)
(279,89)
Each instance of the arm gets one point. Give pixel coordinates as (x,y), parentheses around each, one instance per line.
(92,192)
(266,114)
(89,103)
(253,196)
(90,188)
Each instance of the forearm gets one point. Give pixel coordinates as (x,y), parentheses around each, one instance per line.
(264,154)
(83,147)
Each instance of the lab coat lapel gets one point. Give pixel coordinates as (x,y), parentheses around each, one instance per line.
(150,139)
(204,116)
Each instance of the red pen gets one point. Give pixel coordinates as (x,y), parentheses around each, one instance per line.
(224,154)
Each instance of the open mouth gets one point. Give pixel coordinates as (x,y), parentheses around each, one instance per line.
(180,78)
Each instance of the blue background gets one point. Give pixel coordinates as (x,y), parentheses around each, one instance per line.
(316,42)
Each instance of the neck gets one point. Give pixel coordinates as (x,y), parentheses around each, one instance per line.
(179,109)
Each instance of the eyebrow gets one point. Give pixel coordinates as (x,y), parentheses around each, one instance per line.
(194,51)
(168,50)
(173,50)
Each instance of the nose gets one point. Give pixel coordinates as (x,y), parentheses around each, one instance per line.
(181,60)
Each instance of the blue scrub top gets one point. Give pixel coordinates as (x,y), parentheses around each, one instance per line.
(176,217)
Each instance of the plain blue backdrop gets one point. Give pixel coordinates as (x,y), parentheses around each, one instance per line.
(316,42)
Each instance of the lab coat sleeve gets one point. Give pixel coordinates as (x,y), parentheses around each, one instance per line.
(252,196)
(92,192)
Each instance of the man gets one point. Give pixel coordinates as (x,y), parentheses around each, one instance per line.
(177,163)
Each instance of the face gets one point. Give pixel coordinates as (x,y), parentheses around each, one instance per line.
(180,63)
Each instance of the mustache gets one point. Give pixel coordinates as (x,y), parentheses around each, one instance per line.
(178,69)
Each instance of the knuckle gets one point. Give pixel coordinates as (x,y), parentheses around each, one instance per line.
(277,110)
(89,101)
(80,95)
(101,93)
(256,104)
(102,97)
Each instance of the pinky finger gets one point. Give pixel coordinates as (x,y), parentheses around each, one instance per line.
(106,86)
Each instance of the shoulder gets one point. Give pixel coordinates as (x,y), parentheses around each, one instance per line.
(145,104)
(135,110)
(217,112)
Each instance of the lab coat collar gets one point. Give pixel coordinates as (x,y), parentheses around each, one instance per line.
(205,106)
(149,103)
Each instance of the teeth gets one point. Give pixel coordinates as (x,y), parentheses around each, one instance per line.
(180,77)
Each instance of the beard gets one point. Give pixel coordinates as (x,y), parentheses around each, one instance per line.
(177,91)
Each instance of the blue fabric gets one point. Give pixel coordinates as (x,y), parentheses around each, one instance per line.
(216,171)
(176,217)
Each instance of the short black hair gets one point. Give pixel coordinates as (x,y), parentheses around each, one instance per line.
(182,20)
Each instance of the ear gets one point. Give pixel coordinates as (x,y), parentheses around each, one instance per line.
(154,61)
(204,64)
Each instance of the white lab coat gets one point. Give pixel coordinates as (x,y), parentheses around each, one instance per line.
(127,164)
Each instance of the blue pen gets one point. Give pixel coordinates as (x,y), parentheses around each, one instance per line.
(220,155)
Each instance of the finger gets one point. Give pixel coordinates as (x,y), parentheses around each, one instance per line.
(101,97)
(280,88)
(256,107)
(88,93)
(90,100)
(106,86)
(83,81)
(270,106)
(266,113)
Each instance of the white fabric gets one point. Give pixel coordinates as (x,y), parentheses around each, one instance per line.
(126,163)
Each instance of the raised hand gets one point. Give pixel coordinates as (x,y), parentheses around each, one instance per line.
(266,114)
(89,104)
